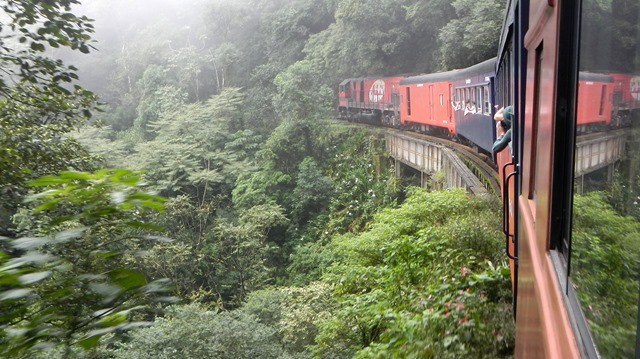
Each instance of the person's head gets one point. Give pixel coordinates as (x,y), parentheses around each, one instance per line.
(507,115)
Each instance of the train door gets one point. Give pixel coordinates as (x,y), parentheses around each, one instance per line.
(432,104)
(452,99)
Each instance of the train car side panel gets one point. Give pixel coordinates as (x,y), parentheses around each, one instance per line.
(473,111)
(595,94)
(425,106)
(542,328)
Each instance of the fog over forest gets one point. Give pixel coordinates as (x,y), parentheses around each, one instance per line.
(121,24)
(213,193)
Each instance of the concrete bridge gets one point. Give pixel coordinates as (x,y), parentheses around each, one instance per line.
(594,152)
(432,159)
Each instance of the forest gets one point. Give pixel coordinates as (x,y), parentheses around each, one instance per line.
(174,185)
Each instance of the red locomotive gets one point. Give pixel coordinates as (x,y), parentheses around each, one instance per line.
(371,99)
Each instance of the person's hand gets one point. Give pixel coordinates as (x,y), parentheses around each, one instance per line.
(499,114)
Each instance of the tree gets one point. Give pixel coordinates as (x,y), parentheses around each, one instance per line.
(605,248)
(296,312)
(241,251)
(197,333)
(38,103)
(70,285)
(472,36)
(187,154)
(301,93)
(312,192)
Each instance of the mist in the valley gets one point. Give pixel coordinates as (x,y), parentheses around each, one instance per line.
(126,31)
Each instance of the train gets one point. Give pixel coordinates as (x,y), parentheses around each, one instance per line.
(566,72)
(458,104)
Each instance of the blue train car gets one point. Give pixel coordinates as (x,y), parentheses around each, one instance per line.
(472,101)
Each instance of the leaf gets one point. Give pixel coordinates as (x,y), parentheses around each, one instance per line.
(148,226)
(47,205)
(127,279)
(15,294)
(113,319)
(34,277)
(76,175)
(104,289)
(89,342)
(64,236)
(27,243)
(47,181)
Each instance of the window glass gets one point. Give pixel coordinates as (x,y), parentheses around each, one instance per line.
(487,104)
(605,239)
(472,95)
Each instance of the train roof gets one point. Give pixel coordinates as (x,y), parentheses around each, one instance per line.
(435,77)
(591,76)
(374,77)
(485,67)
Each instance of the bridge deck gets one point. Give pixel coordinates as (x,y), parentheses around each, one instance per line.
(593,152)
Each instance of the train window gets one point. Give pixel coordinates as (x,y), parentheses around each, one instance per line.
(487,100)
(441,99)
(605,228)
(535,122)
(479,99)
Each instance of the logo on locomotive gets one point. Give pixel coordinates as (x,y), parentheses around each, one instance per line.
(635,87)
(376,91)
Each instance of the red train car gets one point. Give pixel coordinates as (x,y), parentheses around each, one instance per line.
(425,103)
(595,96)
(370,99)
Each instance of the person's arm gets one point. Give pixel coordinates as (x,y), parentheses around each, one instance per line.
(502,141)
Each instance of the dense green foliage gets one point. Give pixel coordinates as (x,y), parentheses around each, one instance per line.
(605,272)
(71,284)
(280,242)
(420,283)
(37,103)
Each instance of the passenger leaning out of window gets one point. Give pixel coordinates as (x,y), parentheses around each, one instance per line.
(503,118)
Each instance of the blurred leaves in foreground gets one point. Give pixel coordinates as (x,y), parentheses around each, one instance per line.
(71,284)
